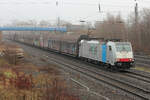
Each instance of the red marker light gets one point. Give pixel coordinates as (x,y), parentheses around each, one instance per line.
(124,59)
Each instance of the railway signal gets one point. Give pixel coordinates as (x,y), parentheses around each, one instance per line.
(56,3)
(99,7)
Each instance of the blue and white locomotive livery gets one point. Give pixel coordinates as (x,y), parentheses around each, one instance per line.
(112,54)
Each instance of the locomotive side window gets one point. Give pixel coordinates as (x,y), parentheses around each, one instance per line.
(110,48)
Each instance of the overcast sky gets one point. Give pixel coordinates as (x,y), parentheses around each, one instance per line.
(69,10)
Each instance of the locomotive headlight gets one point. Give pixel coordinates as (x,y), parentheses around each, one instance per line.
(117,60)
(133,59)
(130,59)
(119,64)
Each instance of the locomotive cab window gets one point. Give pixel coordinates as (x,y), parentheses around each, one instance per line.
(123,47)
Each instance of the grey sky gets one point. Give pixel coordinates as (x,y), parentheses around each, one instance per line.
(70,10)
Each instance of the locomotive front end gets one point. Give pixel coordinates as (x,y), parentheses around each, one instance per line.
(124,55)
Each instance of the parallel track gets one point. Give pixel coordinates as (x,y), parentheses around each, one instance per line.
(129,88)
(144,57)
(138,77)
(142,60)
(132,73)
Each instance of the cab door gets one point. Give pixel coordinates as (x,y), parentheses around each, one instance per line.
(110,54)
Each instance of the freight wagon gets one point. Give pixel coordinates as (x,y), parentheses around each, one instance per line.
(64,47)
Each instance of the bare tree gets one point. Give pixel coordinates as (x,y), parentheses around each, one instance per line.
(112,27)
(139,34)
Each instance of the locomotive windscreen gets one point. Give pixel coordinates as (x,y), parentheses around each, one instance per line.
(123,47)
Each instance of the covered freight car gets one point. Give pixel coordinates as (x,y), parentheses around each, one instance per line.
(65,47)
(69,48)
(54,45)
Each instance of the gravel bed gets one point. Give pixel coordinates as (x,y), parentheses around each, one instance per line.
(134,81)
(120,76)
(140,72)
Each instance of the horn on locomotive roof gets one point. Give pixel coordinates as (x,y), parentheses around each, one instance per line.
(86,37)
(96,39)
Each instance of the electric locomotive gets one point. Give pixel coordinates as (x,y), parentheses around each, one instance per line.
(111,53)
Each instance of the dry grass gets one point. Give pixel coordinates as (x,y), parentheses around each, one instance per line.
(34,82)
(142,68)
(26,81)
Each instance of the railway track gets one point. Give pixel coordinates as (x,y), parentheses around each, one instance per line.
(105,78)
(142,60)
(138,76)
(145,77)
(140,56)
(128,74)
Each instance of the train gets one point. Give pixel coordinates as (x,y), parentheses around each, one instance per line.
(109,53)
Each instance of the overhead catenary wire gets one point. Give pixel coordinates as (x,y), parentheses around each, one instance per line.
(104,6)
(25,2)
(62,3)
(72,3)
(92,15)
(65,3)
